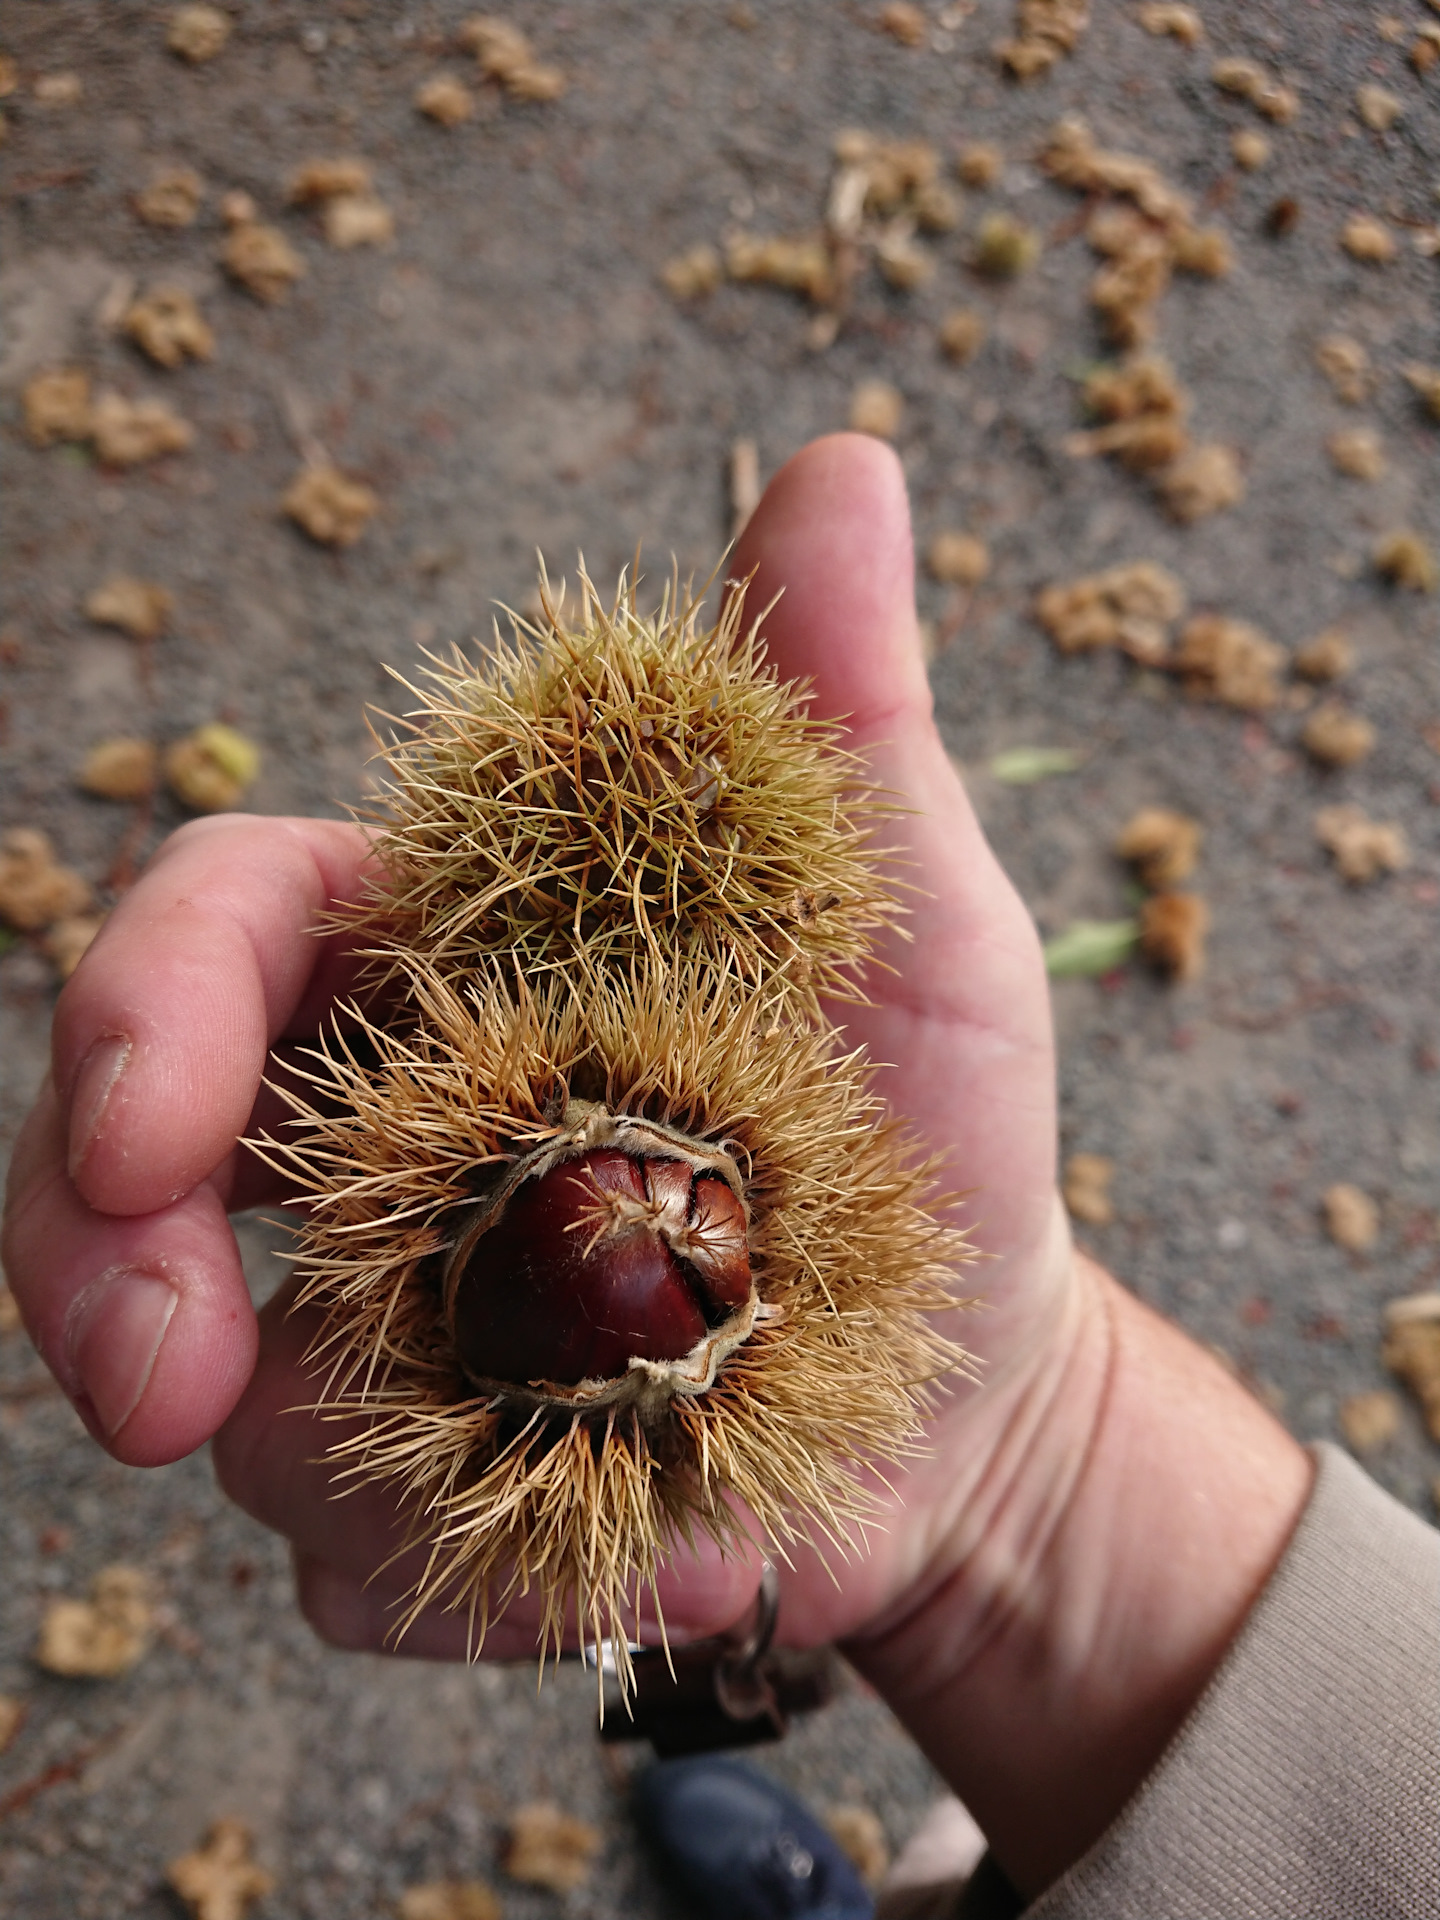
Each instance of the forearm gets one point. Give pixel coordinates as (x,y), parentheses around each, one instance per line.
(1055,1649)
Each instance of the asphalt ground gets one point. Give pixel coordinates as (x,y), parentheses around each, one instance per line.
(510,374)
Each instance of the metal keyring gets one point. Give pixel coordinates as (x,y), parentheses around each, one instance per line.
(740,1686)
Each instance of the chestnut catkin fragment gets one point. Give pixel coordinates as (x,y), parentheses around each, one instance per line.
(603,1259)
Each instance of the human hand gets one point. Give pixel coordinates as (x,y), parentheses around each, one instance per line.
(960,1010)
(999,1547)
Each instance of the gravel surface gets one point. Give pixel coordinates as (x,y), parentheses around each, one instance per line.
(510,374)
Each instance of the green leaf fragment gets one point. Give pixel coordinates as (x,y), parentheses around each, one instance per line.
(230,751)
(1090,946)
(1022,766)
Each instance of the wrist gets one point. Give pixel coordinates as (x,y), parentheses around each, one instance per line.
(1134,1501)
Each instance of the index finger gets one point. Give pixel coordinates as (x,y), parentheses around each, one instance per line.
(160,1037)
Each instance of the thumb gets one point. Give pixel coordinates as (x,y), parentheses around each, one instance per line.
(960,1009)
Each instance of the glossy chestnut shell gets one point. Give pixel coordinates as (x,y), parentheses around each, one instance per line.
(605,1258)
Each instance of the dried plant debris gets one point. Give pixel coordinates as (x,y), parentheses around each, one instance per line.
(693,274)
(1357,453)
(1173,927)
(212,769)
(883,196)
(957,559)
(1072,159)
(1088,947)
(315,181)
(449,1900)
(1249,149)
(1248,80)
(504,54)
(12,1718)
(357,220)
(1131,606)
(1282,216)
(979,163)
(548,1848)
(1336,737)
(961,334)
(220,1880)
(1369,1421)
(1426,383)
(166,324)
(331,507)
(261,260)
(445,99)
(1005,247)
(1369,240)
(1144,409)
(1086,1188)
(141,608)
(1145,231)
(1229,660)
(1352,1219)
(903,262)
(127,433)
(197,33)
(1329,656)
(1164,17)
(904,22)
(1044,31)
(876,408)
(1205,251)
(1378,107)
(861,1839)
(1126,291)
(1412,1351)
(57,406)
(59,90)
(35,889)
(122,768)
(1405,559)
(798,265)
(102,1637)
(885,190)
(1203,481)
(68,940)
(1161,844)
(745,485)
(1363,848)
(172,198)
(1346,365)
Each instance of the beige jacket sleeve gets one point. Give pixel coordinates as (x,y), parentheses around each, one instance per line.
(1306,1783)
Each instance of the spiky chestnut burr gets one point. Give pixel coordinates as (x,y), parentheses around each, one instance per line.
(637,1101)
(609,786)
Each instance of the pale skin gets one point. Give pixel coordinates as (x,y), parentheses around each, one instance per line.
(1057,1578)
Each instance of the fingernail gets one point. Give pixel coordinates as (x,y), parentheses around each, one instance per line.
(113,1336)
(96,1081)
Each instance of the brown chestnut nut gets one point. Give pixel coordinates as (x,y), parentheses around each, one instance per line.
(604,1258)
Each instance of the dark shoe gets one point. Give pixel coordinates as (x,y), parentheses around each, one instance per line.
(744,1847)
